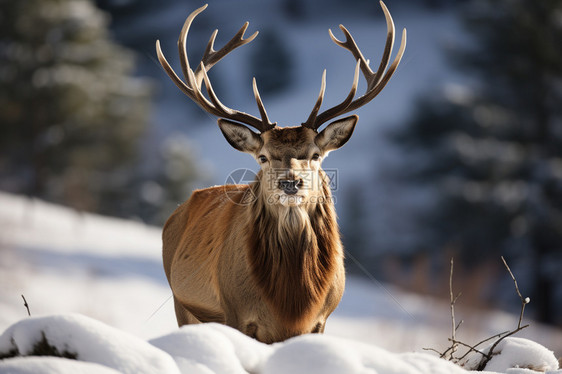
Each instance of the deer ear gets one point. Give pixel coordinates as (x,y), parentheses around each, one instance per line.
(336,134)
(239,136)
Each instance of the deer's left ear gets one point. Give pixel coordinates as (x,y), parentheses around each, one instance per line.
(336,134)
(239,136)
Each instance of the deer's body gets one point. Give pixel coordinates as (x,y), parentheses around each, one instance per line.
(265,258)
(223,260)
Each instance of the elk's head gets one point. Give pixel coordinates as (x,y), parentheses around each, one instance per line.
(290,157)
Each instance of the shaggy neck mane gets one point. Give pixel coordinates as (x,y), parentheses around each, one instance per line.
(293,255)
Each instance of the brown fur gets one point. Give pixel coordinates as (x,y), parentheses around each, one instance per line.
(278,284)
(294,263)
(238,255)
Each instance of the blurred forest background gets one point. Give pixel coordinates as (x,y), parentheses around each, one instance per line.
(89,120)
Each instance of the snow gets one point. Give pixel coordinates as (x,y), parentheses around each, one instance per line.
(67,261)
(46,365)
(90,341)
(514,352)
(96,288)
(329,355)
(212,348)
(218,348)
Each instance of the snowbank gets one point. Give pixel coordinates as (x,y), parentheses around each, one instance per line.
(214,347)
(517,353)
(87,340)
(38,365)
(211,348)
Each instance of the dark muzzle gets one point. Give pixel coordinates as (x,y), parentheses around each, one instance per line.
(290,186)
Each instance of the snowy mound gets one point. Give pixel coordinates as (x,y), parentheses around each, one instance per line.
(84,345)
(516,353)
(84,339)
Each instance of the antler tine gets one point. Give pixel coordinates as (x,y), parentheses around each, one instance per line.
(310,121)
(182,41)
(388,45)
(335,111)
(193,79)
(376,81)
(351,46)
(261,107)
(210,49)
(218,106)
(219,109)
(384,80)
(171,73)
(202,100)
(211,57)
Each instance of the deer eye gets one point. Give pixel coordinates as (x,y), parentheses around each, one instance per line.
(315,157)
(262,159)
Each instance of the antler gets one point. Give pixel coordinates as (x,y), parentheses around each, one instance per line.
(375,81)
(193,79)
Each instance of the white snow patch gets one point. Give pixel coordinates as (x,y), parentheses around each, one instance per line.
(513,352)
(90,341)
(51,365)
(217,348)
(329,355)
(212,348)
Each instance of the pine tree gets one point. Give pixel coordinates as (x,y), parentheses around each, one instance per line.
(493,152)
(169,181)
(71,113)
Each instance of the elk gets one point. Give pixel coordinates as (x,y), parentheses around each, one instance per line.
(265,258)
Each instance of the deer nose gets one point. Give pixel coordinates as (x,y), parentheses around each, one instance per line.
(290,186)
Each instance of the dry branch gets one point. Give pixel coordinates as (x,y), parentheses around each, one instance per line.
(449,353)
(26,305)
(524,301)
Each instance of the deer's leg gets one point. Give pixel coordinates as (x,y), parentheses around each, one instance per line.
(319,327)
(183,316)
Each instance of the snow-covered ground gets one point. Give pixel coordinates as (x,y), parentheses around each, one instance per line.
(214,348)
(110,271)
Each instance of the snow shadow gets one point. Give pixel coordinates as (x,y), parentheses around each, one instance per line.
(95,265)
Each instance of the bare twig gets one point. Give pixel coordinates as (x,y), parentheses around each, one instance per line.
(449,353)
(524,301)
(453,301)
(460,323)
(471,348)
(490,338)
(26,305)
(432,350)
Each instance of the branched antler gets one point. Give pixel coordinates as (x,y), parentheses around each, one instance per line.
(194,79)
(192,83)
(376,81)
